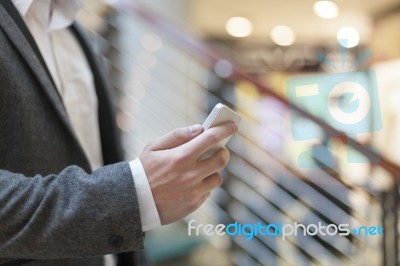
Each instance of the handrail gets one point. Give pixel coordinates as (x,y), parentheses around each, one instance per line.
(193,46)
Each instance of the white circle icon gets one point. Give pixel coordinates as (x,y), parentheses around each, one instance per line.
(351,102)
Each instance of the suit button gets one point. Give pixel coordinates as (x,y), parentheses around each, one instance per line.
(116,241)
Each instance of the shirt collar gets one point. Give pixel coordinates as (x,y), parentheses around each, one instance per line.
(22,6)
(62,11)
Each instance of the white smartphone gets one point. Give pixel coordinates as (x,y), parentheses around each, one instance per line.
(220,114)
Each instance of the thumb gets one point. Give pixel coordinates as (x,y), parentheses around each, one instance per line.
(175,138)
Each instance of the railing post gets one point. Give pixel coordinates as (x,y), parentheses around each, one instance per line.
(390,220)
(395,197)
(383,199)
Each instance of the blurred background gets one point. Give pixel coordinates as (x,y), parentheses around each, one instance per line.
(170,61)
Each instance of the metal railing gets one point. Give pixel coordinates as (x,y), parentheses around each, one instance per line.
(164,78)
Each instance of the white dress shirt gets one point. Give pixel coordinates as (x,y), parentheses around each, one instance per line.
(48,22)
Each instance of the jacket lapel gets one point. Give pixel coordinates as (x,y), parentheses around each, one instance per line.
(14,27)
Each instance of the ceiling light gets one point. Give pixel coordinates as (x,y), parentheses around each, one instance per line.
(239,27)
(283,35)
(326,9)
(348,37)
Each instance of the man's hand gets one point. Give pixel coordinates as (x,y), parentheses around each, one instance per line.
(179,182)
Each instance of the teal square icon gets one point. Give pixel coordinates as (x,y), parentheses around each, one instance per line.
(348,101)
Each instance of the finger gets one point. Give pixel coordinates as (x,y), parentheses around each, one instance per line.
(202,199)
(210,138)
(214,163)
(211,182)
(175,138)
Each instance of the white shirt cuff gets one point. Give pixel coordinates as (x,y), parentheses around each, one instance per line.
(147,207)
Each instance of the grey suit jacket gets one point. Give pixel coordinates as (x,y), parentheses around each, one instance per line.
(51,205)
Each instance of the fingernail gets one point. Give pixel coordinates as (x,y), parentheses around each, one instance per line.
(234,125)
(195,129)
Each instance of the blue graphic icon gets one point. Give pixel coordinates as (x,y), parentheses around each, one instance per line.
(348,101)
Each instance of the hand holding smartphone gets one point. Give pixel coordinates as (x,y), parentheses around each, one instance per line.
(220,114)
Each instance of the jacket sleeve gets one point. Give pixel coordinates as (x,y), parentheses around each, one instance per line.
(72,214)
